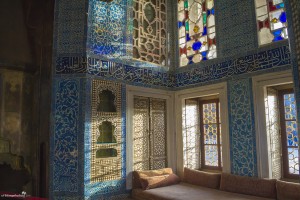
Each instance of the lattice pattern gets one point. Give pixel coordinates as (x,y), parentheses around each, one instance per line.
(158,131)
(271,20)
(191,134)
(272,123)
(141,134)
(104,169)
(211,134)
(291,133)
(150,31)
(149,133)
(196,30)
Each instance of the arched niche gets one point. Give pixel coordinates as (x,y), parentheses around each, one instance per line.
(106,130)
(106,153)
(106,102)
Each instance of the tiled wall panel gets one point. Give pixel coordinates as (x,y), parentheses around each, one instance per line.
(242,128)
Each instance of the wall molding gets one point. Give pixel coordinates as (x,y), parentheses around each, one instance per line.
(132,91)
(219,89)
(259,85)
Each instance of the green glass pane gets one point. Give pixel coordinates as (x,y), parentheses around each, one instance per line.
(204,18)
(187,26)
(186,4)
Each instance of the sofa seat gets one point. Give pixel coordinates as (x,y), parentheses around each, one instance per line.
(185,191)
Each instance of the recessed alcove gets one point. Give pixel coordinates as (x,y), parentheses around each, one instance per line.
(106,153)
(106,130)
(106,102)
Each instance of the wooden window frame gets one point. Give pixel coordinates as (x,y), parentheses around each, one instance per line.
(284,146)
(202,145)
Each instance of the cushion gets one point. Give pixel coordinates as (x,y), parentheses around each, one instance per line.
(248,185)
(287,190)
(205,179)
(159,181)
(136,175)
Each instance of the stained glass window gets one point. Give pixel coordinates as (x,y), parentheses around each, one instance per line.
(271,21)
(150,31)
(196,31)
(290,138)
(210,129)
(202,146)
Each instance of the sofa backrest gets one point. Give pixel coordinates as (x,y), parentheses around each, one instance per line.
(201,178)
(248,185)
(287,190)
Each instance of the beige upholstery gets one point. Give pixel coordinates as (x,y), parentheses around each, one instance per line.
(159,181)
(185,191)
(136,175)
(248,185)
(205,179)
(287,190)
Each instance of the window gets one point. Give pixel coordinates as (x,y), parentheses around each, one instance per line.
(289,134)
(150,31)
(196,31)
(202,135)
(271,21)
(282,132)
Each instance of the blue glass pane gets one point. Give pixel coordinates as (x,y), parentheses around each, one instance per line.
(180,24)
(213,11)
(278,6)
(278,38)
(208,12)
(204,31)
(188,37)
(277,33)
(196,46)
(282,17)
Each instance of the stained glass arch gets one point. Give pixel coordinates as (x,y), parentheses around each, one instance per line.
(196,31)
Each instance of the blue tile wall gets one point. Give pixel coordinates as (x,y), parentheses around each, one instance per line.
(107,28)
(242,128)
(66,142)
(263,60)
(70,26)
(85,51)
(236,29)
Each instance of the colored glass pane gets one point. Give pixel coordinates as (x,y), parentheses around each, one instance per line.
(291,133)
(271,21)
(210,134)
(289,106)
(198,18)
(293,157)
(211,155)
(209,113)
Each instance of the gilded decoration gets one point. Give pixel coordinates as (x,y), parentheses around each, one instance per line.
(106,131)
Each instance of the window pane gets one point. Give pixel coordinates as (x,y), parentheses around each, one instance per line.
(150,31)
(293,156)
(211,155)
(210,113)
(289,107)
(291,133)
(210,134)
(271,21)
